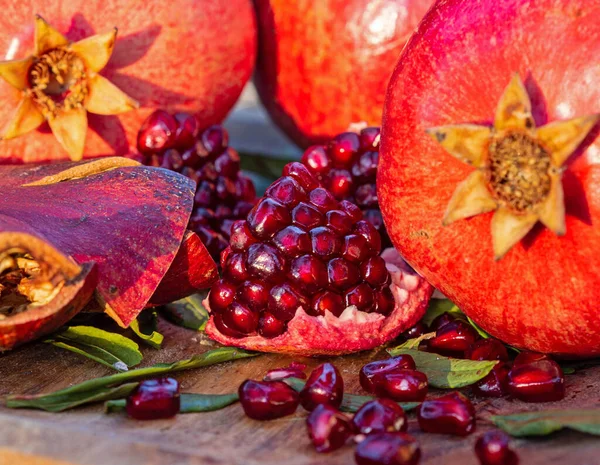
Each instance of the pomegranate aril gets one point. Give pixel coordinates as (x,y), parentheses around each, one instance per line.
(369,138)
(294,370)
(455,337)
(307,216)
(301,174)
(362,297)
(269,326)
(324,386)
(339,221)
(326,301)
(221,295)
(366,195)
(378,416)
(368,231)
(365,167)
(322,200)
(537,381)
(415,331)
(172,160)
(224,328)
(385,301)
(340,183)
(495,383)
(315,158)
(267,400)
(284,301)
(214,139)
(157,133)
(524,358)
(372,369)
(401,385)
(352,210)
(235,268)
(186,132)
(205,195)
(268,217)
(292,241)
(228,164)
(342,274)
(154,399)
(449,414)
(308,273)
(391,448)
(241,236)
(328,429)
(487,349)
(355,248)
(375,272)
(245,190)
(286,191)
(264,262)
(225,188)
(343,148)
(253,295)
(240,318)
(492,448)
(441,320)
(325,242)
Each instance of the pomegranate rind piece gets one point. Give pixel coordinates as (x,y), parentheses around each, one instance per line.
(353,330)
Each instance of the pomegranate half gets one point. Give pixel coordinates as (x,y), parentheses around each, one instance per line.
(510,88)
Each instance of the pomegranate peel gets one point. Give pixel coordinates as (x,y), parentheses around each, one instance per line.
(40,288)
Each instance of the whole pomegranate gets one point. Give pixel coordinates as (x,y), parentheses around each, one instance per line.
(195,57)
(489,177)
(324,65)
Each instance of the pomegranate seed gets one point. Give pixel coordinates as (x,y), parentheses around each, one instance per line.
(240,318)
(368,231)
(308,273)
(455,336)
(525,358)
(325,242)
(449,414)
(286,191)
(268,217)
(157,132)
(362,297)
(235,268)
(253,295)
(487,349)
(154,399)
(307,216)
(221,295)
(372,369)
(355,248)
(375,272)
(324,386)
(267,400)
(343,148)
(191,161)
(316,160)
(537,381)
(299,172)
(342,274)
(366,195)
(292,241)
(441,320)
(241,236)
(495,384)
(214,139)
(269,326)
(223,328)
(172,160)
(328,429)
(369,138)
(366,167)
(352,210)
(186,132)
(228,164)
(492,448)
(385,301)
(417,330)
(401,385)
(245,190)
(393,448)
(264,261)
(284,301)
(294,370)
(323,200)
(340,183)
(339,221)
(378,416)
(326,300)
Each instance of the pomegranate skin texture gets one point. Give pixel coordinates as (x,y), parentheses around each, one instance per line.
(178,59)
(535,287)
(324,66)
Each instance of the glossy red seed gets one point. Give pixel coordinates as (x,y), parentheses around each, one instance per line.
(343,148)
(225,188)
(253,294)
(368,231)
(324,386)
(157,133)
(172,160)
(186,132)
(365,168)
(241,236)
(316,159)
(292,241)
(328,429)
(224,329)
(362,297)
(325,242)
(401,385)
(307,216)
(221,295)
(228,164)
(268,217)
(235,268)
(301,174)
(441,320)
(369,138)
(417,330)
(537,381)
(495,384)
(370,370)
(340,183)
(355,248)
(322,200)
(487,349)
(339,221)
(205,194)
(524,358)
(449,414)
(308,273)
(240,318)
(191,160)
(284,301)
(294,370)
(366,196)
(267,400)
(264,261)
(269,326)
(454,337)
(393,448)
(352,210)
(492,448)
(342,274)
(326,301)
(378,416)
(286,191)
(154,399)
(214,139)
(374,271)
(384,300)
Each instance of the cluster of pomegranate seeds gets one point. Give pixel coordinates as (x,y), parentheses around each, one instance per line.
(450,414)
(394,448)
(299,247)
(154,399)
(223,194)
(328,428)
(267,400)
(395,378)
(347,167)
(493,449)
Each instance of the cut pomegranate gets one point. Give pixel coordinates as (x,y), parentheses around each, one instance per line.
(328,429)
(294,370)
(401,385)
(449,414)
(223,194)
(372,369)
(154,399)
(307,267)
(487,349)
(324,386)
(454,337)
(378,416)
(388,449)
(537,381)
(492,448)
(495,384)
(267,400)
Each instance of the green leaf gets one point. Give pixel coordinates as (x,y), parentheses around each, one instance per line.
(445,372)
(545,422)
(439,306)
(188,312)
(145,327)
(88,388)
(479,330)
(110,349)
(264,166)
(190,403)
(351,402)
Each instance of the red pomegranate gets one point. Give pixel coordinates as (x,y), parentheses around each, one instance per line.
(324,65)
(512,239)
(195,57)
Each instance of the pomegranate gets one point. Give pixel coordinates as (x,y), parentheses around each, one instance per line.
(388,449)
(369,371)
(492,448)
(223,194)
(154,399)
(455,337)
(324,386)
(449,414)
(322,67)
(378,416)
(179,59)
(452,80)
(537,381)
(267,400)
(328,429)
(311,263)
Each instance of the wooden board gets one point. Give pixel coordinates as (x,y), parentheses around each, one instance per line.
(87,436)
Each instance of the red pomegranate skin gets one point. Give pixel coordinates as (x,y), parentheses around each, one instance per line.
(324,65)
(194,57)
(543,295)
